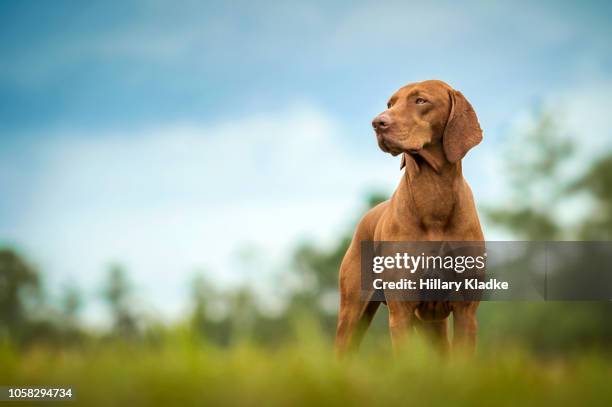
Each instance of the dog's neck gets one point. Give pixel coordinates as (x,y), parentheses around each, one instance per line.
(430,189)
(429,161)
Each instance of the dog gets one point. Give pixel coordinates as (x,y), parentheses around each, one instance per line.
(432,126)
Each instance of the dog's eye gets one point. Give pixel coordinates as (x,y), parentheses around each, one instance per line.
(420,101)
(388,105)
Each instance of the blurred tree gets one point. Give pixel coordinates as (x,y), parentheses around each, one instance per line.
(533,163)
(597,182)
(71,302)
(19,289)
(321,265)
(117,293)
(538,190)
(318,269)
(200,290)
(243,314)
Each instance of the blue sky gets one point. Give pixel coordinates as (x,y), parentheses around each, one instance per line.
(168,135)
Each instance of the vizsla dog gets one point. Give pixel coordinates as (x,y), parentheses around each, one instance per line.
(432,126)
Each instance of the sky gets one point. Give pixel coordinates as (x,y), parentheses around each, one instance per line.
(174,136)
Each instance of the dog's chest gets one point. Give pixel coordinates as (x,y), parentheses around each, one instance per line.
(430,210)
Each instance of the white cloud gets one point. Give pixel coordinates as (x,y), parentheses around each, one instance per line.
(168,200)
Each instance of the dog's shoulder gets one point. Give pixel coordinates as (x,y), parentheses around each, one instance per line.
(374,213)
(367,224)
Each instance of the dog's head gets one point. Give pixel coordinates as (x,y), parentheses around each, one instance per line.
(425,114)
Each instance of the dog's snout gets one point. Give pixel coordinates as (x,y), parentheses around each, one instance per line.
(382,121)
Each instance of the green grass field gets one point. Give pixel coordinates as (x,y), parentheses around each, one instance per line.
(182,371)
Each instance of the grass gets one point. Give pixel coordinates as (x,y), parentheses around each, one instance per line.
(184,371)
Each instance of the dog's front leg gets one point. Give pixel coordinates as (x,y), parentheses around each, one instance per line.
(465,326)
(401,314)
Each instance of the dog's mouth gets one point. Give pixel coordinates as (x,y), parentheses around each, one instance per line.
(420,155)
(387,146)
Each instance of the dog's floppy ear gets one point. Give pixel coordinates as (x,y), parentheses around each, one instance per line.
(462,130)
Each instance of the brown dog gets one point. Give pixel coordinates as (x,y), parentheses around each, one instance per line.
(433,126)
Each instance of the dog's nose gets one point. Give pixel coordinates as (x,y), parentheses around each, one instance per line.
(381,121)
